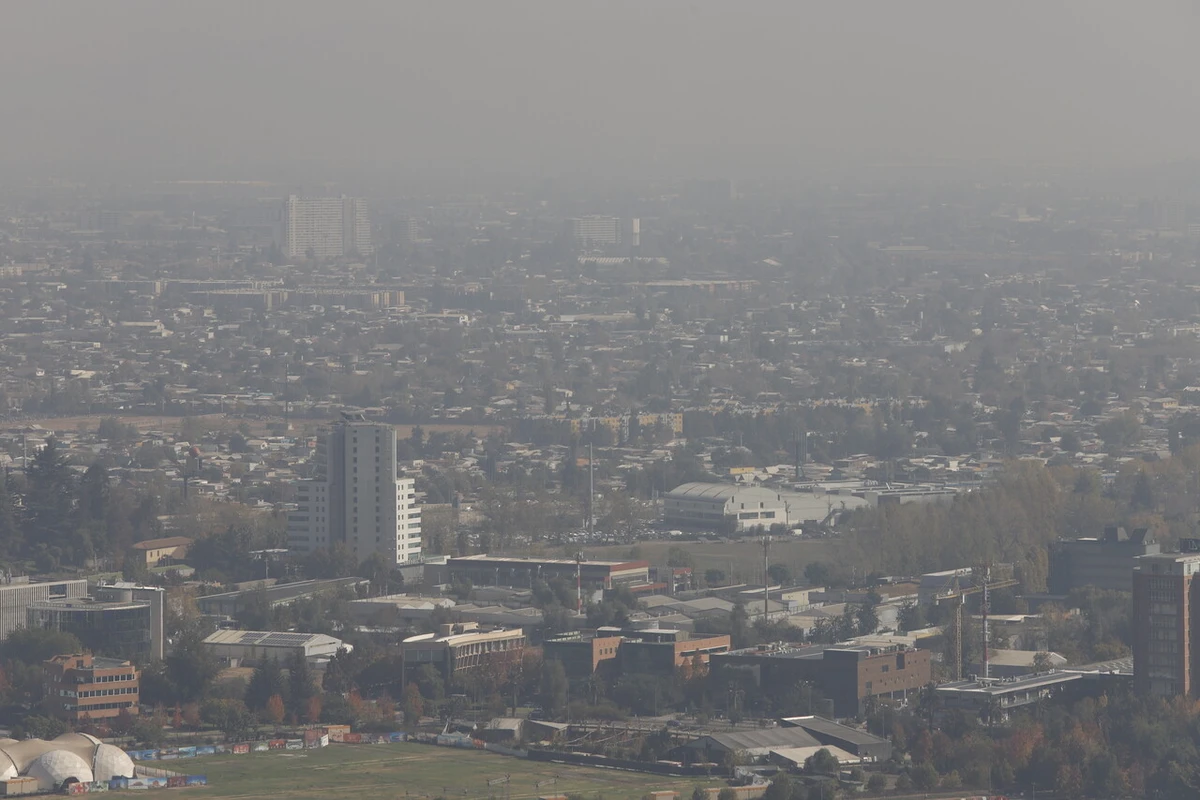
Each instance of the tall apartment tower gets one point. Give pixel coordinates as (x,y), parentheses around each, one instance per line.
(598,230)
(1166,598)
(357,498)
(329,227)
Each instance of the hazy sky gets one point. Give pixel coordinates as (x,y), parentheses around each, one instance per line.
(305,88)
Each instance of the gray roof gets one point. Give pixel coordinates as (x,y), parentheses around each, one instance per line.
(721,491)
(759,740)
(832,730)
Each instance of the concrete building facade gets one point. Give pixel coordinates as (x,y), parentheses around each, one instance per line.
(18,594)
(848,675)
(714,505)
(357,497)
(326,227)
(1165,600)
(462,646)
(82,686)
(1104,563)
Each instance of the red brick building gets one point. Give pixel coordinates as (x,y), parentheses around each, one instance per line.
(83,686)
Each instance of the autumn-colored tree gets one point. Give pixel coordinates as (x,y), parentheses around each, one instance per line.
(385,708)
(359,710)
(414,705)
(274,711)
(191,715)
(177,719)
(312,712)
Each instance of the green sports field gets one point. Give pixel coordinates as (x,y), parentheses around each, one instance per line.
(411,770)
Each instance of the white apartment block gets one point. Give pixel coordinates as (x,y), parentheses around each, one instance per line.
(328,227)
(357,497)
(599,230)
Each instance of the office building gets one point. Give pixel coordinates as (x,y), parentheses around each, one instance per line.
(599,231)
(713,506)
(647,651)
(118,628)
(462,646)
(1164,602)
(357,497)
(85,687)
(17,594)
(326,227)
(1103,563)
(593,576)
(849,675)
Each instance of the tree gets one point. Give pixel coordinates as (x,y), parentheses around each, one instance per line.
(714,577)
(679,557)
(780,788)
(229,716)
(739,625)
(555,688)
(924,777)
(1042,662)
(877,783)
(821,762)
(780,574)
(191,668)
(274,711)
(300,681)
(414,705)
(727,793)
(911,617)
(266,682)
(867,619)
(312,711)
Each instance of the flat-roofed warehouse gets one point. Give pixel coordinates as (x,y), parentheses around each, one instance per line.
(711,505)
(253,647)
(485,570)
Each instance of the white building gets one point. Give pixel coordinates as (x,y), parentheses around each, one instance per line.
(254,647)
(597,230)
(357,497)
(329,227)
(710,505)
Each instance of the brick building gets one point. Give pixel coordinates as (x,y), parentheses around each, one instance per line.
(848,675)
(83,686)
(649,651)
(1165,599)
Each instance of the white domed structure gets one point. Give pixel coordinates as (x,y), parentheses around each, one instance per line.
(111,762)
(76,738)
(56,767)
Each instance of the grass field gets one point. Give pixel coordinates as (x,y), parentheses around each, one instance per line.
(412,770)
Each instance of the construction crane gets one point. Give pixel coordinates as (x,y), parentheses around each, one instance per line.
(958,591)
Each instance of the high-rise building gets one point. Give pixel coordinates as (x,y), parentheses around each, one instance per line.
(357,497)
(598,231)
(1165,599)
(326,227)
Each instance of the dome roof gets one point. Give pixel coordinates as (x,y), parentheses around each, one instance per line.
(54,768)
(111,762)
(75,738)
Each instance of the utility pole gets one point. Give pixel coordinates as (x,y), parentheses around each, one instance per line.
(579,582)
(987,577)
(591,526)
(766,544)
